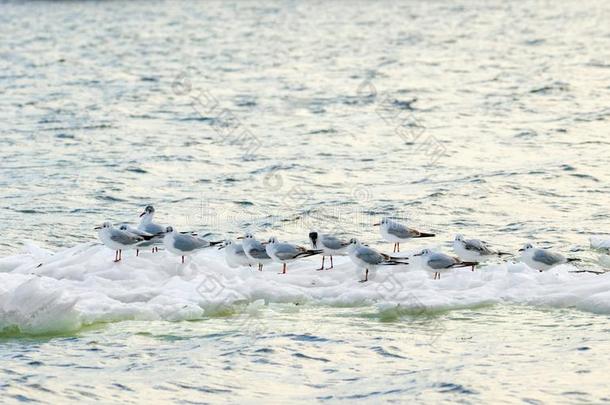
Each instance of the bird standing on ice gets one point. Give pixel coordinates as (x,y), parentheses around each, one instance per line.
(542,259)
(235,254)
(147,224)
(368,258)
(474,250)
(330,246)
(283,252)
(150,239)
(255,250)
(394,232)
(117,240)
(184,244)
(440,262)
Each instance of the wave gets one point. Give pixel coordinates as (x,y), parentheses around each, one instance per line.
(43,292)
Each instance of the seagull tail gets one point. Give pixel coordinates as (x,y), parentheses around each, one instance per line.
(308,253)
(425,235)
(465,264)
(395,260)
(218,242)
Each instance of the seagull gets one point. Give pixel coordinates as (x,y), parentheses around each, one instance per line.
(368,258)
(152,240)
(255,250)
(392,231)
(117,240)
(330,245)
(439,262)
(235,255)
(184,244)
(541,259)
(147,224)
(283,252)
(474,250)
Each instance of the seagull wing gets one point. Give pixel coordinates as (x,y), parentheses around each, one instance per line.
(401,231)
(286,251)
(438,261)
(369,255)
(548,258)
(478,246)
(124,238)
(187,243)
(334,243)
(258,251)
(152,228)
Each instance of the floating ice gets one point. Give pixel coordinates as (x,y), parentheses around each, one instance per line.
(600,242)
(82,285)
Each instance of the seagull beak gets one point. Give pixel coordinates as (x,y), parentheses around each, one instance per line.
(142,214)
(418,254)
(521,250)
(377,224)
(98,227)
(240,237)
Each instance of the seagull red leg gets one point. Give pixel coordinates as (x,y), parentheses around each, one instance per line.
(322,267)
(331,264)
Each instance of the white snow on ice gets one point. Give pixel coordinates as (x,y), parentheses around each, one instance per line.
(81,285)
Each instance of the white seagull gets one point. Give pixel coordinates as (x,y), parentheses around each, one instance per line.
(474,250)
(235,254)
(255,250)
(368,258)
(395,232)
(541,259)
(283,252)
(184,244)
(440,262)
(147,224)
(330,246)
(151,240)
(117,239)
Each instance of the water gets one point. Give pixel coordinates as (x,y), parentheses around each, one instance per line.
(283,117)
(473,356)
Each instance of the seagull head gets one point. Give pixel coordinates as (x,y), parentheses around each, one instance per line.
(526,247)
(272,240)
(248,235)
(106,224)
(170,229)
(424,252)
(313,237)
(459,237)
(149,210)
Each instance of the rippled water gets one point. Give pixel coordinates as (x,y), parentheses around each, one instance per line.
(279,117)
(472,356)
